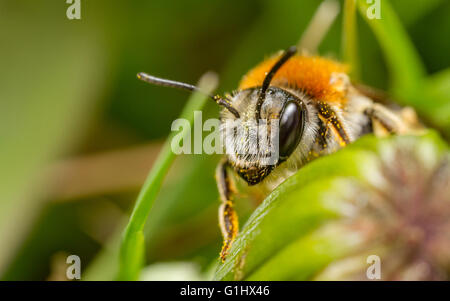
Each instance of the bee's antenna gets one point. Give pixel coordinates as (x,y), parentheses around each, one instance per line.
(262,94)
(225,102)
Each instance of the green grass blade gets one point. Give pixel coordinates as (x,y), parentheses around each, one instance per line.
(132,248)
(305,256)
(319,26)
(350,39)
(406,68)
(409,84)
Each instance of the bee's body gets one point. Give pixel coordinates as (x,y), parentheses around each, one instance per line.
(316,109)
(335,114)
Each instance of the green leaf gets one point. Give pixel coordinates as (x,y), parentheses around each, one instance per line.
(295,232)
(437,87)
(296,206)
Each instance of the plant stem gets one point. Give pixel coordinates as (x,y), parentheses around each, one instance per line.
(133,247)
(350,39)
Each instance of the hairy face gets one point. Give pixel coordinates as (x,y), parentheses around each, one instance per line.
(256,147)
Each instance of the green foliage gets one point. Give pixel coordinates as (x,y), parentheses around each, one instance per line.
(132,249)
(295,233)
(409,84)
(350,39)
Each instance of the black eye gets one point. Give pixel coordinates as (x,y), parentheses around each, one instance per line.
(292,123)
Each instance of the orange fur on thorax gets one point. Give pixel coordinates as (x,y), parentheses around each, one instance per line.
(311,74)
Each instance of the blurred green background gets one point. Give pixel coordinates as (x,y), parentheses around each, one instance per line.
(79,132)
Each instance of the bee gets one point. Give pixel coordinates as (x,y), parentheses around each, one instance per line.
(316,108)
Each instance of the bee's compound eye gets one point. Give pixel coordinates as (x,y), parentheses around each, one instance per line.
(292,123)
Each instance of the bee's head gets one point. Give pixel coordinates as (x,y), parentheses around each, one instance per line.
(261,126)
(269,128)
(256,148)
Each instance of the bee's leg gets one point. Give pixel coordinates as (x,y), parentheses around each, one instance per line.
(383,120)
(228,219)
(331,120)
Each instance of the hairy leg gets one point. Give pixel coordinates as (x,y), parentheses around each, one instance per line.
(384,121)
(228,219)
